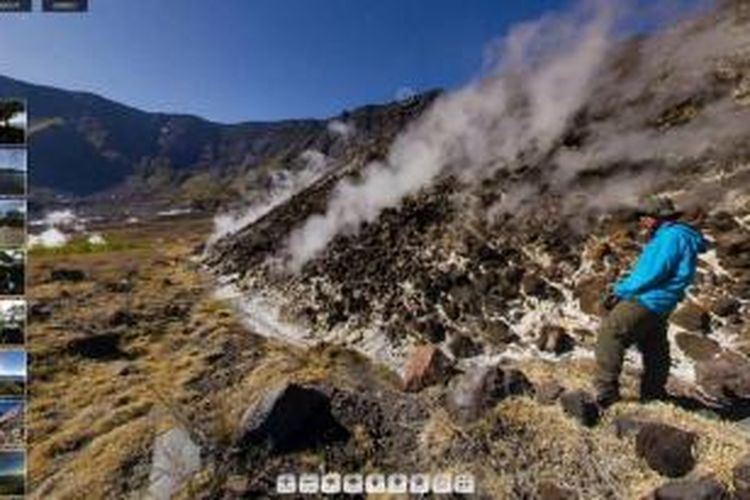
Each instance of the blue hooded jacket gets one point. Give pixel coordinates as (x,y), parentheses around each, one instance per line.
(665,268)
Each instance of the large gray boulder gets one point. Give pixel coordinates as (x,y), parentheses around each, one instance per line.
(175,459)
(481,388)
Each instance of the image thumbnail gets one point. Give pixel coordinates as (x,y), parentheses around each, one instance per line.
(12,373)
(12,429)
(12,271)
(13,162)
(13,121)
(12,223)
(12,321)
(12,472)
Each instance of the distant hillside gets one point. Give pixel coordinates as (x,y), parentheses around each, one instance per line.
(83,144)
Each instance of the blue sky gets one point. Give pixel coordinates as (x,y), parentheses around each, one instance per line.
(14,158)
(12,363)
(7,405)
(234,60)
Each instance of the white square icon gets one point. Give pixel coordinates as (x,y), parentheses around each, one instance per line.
(442,483)
(309,483)
(330,483)
(375,483)
(465,484)
(398,483)
(353,484)
(286,483)
(419,483)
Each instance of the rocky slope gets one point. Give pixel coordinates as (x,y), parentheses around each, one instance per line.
(475,282)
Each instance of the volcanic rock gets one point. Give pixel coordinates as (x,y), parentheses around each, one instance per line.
(725,377)
(288,418)
(426,366)
(697,347)
(725,306)
(497,332)
(482,388)
(692,489)
(668,450)
(692,318)
(554,339)
(462,346)
(71,275)
(582,406)
(102,347)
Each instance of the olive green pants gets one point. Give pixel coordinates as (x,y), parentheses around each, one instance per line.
(630,324)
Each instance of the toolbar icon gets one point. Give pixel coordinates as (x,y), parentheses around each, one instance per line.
(398,483)
(375,483)
(309,483)
(354,484)
(330,483)
(419,483)
(464,484)
(286,483)
(442,483)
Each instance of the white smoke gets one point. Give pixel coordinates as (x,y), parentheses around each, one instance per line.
(542,76)
(340,128)
(283,186)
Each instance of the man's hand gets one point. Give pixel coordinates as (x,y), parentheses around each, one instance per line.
(610,301)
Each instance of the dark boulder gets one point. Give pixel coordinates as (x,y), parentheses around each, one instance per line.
(70,275)
(725,377)
(582,406)
(554,339)
(462,346)
(102,347)
(692,489)
(482,388)
(289,418)
(667,450)
(692,318)
(725,306)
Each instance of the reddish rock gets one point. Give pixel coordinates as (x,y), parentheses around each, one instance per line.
(692,318)
(668,450)
(697,347)
(426,366)
(554,339)
(725,377)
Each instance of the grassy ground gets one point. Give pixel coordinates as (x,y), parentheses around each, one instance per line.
(94,411)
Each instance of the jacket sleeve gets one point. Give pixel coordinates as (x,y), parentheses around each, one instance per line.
(658,259)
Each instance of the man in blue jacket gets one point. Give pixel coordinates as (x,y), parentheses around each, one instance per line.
(641,302)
